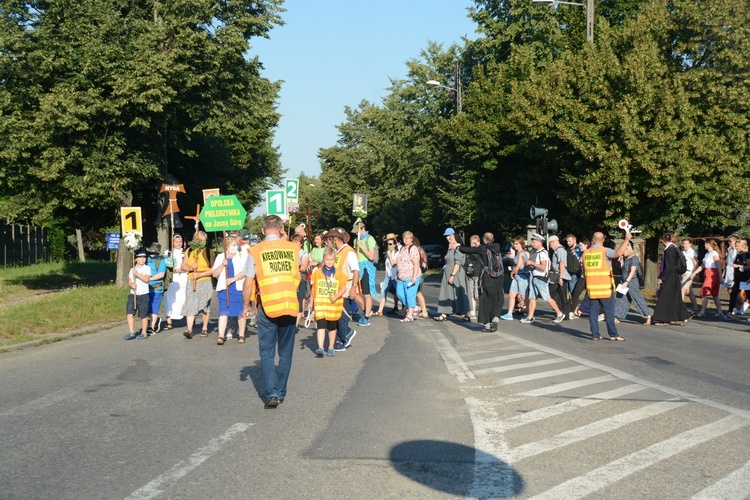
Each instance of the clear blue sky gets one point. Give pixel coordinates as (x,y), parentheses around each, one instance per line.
(335,53)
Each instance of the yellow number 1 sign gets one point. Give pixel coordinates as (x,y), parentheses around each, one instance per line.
(131,220)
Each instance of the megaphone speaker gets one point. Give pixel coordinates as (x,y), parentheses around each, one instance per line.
(537,212)
(552,226)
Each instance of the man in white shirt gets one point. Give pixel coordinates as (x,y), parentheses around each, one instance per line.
(539,262)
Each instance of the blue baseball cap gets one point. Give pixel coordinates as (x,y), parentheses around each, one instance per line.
(449,231)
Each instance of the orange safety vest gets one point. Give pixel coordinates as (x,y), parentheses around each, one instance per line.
(322,290)
(341,264)
(277,276)
(597,273)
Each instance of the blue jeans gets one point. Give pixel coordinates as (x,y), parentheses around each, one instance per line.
(342,331)
(608,307)
(572,283)
(407,293)
(273,332)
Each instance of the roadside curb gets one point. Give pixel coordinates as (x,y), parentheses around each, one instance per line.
(49,338)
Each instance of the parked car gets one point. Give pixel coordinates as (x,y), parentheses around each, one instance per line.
(435,255)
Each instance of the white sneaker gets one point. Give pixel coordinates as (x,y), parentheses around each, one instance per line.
(559,318)
(229,336)
(601,317)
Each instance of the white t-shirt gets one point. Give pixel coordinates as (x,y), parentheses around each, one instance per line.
(540,257)
(141,287)
(238,261)
(709,262)
(689,256)
(729,273)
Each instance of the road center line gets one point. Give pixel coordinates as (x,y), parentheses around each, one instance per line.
(39,403)
(180,470)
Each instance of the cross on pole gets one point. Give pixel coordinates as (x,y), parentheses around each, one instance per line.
(197,218)
(307,215)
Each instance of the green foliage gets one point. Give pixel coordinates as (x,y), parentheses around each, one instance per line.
(102,98)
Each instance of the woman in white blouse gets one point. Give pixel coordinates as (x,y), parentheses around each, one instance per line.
(711,265)
(228,269)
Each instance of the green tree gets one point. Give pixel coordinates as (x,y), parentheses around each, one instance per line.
(103,98)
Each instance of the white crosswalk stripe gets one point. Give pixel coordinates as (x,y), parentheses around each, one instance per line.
(735,485)
(516,416)
(573,404)
(614,471)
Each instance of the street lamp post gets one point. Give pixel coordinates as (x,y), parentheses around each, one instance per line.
(589,6)
(456,89)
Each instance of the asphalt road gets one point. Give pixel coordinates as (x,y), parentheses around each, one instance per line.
(423,410)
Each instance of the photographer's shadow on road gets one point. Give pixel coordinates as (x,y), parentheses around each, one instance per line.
(456,469)
(255,375)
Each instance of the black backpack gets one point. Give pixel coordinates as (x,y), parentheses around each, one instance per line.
(471,265)
(495,260)
(572,264)
(681,263)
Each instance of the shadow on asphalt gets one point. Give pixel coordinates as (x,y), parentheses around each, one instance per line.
(456,469)
(254,374)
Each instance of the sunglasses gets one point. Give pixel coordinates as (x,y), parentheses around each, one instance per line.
(391,244)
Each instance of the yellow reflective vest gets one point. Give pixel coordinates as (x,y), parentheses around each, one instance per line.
(322,290)
(277,276)
(597,272)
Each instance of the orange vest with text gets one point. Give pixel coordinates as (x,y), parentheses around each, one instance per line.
(277,276)
(596,269)
(322,290)
(341,264)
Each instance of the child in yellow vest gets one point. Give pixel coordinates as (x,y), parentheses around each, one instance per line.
(328,287)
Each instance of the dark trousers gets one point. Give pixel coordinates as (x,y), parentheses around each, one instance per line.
(576,295)
(491,298)
(342,333)
(560,294)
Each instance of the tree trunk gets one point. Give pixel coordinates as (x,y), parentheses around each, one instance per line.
(79,239)
(651,269)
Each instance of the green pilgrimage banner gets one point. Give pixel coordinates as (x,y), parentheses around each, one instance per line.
(223,213)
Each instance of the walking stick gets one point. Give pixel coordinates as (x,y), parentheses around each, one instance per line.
(195,271)
(226,267)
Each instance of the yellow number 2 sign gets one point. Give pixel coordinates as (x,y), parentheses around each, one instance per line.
(131,220)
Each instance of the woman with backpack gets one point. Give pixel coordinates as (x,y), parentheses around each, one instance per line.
(492,294)
(631,278)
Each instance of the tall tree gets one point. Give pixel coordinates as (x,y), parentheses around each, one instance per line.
(102,98)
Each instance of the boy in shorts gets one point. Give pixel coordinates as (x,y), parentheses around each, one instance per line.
(138,279)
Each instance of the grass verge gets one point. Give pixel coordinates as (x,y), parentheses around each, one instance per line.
(36,301)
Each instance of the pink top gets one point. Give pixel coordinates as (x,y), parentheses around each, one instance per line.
(404,260)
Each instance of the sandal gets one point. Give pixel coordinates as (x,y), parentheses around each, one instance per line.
(377,313)
(617,339)
(407,319)
(241,340)
(425,315)
(442,317)
(466,318)
(169,326)
(220,341)
(648,321)
(188,334)
(204,333)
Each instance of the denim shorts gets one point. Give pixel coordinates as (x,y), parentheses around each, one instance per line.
(539,289)
(520,284)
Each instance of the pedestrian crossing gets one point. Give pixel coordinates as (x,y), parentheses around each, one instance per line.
(557,426)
